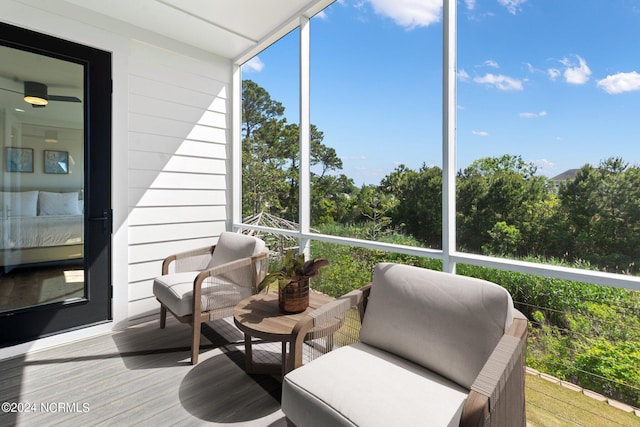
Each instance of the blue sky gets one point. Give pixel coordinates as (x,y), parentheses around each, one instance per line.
(554,81)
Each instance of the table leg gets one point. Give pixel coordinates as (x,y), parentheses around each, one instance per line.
(248,354)
(285,359)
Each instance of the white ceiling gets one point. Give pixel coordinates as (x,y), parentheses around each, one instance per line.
(229,28)
(233,29)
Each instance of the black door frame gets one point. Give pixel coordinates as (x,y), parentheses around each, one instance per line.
(34,322)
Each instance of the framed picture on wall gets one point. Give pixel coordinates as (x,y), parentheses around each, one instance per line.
(56,161)
(19,159)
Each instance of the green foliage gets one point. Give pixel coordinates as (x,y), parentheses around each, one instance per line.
(418,210)
(578,332)
(350,267)
(271,163)
(612,369)
(507,164)
(601,215)
(294,269)
(505,239)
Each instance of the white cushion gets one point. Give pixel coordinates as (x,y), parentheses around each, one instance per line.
(232,247)
(447,323)
(176,292)
(20,203)
(235,246)
(364,386)
(58,203)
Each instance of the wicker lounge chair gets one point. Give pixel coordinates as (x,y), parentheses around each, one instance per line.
(210,281)
(435,349)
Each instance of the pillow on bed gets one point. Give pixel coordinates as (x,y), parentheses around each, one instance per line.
(58,203)
(18,203)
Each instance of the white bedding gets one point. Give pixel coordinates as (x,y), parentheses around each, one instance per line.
(41,231)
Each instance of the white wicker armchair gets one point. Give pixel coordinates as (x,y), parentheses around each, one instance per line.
(210,281)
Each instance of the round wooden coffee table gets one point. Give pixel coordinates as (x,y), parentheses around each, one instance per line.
(259,316)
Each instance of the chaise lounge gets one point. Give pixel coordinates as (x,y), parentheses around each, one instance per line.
(435,349)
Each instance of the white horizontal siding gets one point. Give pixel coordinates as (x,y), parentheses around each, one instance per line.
(139,291)
(152,179)
(141,197)
(143,123)
(170,232)
(178,161)
(172,214)
(144,271)
(159,251)
(176,146)
(150,89)
(163,162)
(169,109)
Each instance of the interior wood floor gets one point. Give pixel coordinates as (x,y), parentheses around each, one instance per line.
(142,376)
(33,285)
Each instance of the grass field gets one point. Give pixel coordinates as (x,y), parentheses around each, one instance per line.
(551,405)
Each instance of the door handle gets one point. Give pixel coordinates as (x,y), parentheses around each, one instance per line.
(105,218)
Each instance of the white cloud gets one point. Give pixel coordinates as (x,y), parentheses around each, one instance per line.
(553,73)
(577,74)
(462,75)
(253,65)
(409,13)
(512,5)
(544,164)
(620,83)
(500,82)
(490,63)
(533,115)
(471,4)
(321,15)
(480,133)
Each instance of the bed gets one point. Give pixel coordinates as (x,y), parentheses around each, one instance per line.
(41,226)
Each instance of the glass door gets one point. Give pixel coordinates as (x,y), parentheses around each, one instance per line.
(55,213)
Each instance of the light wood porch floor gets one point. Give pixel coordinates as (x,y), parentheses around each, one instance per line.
(142,376)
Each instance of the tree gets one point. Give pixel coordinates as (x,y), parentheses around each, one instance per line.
(257,108)
(271,162)
(333,200)
(602,215)
(375,206)
(419,202)
(504,190)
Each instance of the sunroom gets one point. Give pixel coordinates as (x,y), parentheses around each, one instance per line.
(161,171)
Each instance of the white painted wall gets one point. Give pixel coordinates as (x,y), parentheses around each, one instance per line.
(177,161)
(170,143)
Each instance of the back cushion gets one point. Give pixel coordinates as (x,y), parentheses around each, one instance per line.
(447,323)
(234,246)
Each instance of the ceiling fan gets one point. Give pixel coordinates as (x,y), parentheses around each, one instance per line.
(37,94)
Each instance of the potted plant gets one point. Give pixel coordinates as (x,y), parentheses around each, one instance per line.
(293,281)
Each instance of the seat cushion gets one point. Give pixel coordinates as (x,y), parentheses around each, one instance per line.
(365,386)
(175,291)
(447,323)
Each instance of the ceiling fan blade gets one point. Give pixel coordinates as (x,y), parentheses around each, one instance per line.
(11,90)
(64,98)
